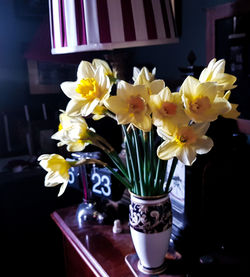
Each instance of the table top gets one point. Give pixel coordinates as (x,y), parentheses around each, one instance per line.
(103,251)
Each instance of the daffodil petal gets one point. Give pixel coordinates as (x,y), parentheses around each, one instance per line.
(215,73)
(57,135)
(203,145)
(123,118)
(227,95)
(74,107)
(219,67)
(98,116)
(204,76)
(189,86)
(165,133)
(76,146)
(101,63)
(52,179)
(43,157)
(85,70)
(62,188)
(116,105)
(121,89)
(69,89)
(186,155)
(89,107)
(221,106)
(102,80)
(233,113)
(125,90)
(167,150)
(208,89)
(136,72)
(155,101)
(143,122)
(226,80)
(156,86)
(165,94)
(61,143)
(211,64)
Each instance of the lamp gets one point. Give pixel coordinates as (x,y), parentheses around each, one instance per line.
(90,25)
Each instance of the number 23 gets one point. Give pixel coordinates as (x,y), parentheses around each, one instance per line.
(102,185)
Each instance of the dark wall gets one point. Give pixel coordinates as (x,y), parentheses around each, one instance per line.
(18,26)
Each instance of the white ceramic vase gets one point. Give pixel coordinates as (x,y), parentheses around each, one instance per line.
(150,221)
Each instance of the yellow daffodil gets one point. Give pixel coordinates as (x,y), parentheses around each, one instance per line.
(145,73)
(167,108)
(201,100)
(146,78)
(73,131)
(112,74)
(184,142)
(214,72)
(58,171)
(131,105)
(233,113)
(90,89)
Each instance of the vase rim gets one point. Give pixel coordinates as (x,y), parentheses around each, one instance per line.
(153,197)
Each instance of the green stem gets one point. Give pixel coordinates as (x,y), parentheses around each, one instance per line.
(144,141)
(129,155)
(151,167)
(119,177)
(163,175)
(118,162)
(152,150)
(156,180)
(128,164)
(171,173)
(138,161)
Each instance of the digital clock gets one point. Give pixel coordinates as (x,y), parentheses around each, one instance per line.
(103,184)
(93,180)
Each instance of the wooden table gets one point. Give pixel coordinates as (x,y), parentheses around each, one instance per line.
(92,249)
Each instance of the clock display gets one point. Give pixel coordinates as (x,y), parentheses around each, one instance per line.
(101,182)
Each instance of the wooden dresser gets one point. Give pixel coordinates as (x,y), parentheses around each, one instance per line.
(92,249)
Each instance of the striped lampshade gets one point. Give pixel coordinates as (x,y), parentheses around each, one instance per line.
(89,25)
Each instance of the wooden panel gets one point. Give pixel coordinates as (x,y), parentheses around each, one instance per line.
(74,266)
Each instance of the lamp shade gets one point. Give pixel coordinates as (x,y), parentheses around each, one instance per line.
(90,25)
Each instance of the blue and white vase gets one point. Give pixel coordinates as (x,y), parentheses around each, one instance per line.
(150,221)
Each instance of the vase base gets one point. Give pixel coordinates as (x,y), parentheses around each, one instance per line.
(152,271)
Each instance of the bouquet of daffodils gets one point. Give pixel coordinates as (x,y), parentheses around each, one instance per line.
(158,125)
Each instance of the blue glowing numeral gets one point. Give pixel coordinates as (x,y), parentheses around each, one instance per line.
(102,184)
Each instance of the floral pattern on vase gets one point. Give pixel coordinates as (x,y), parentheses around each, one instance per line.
(150,218)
